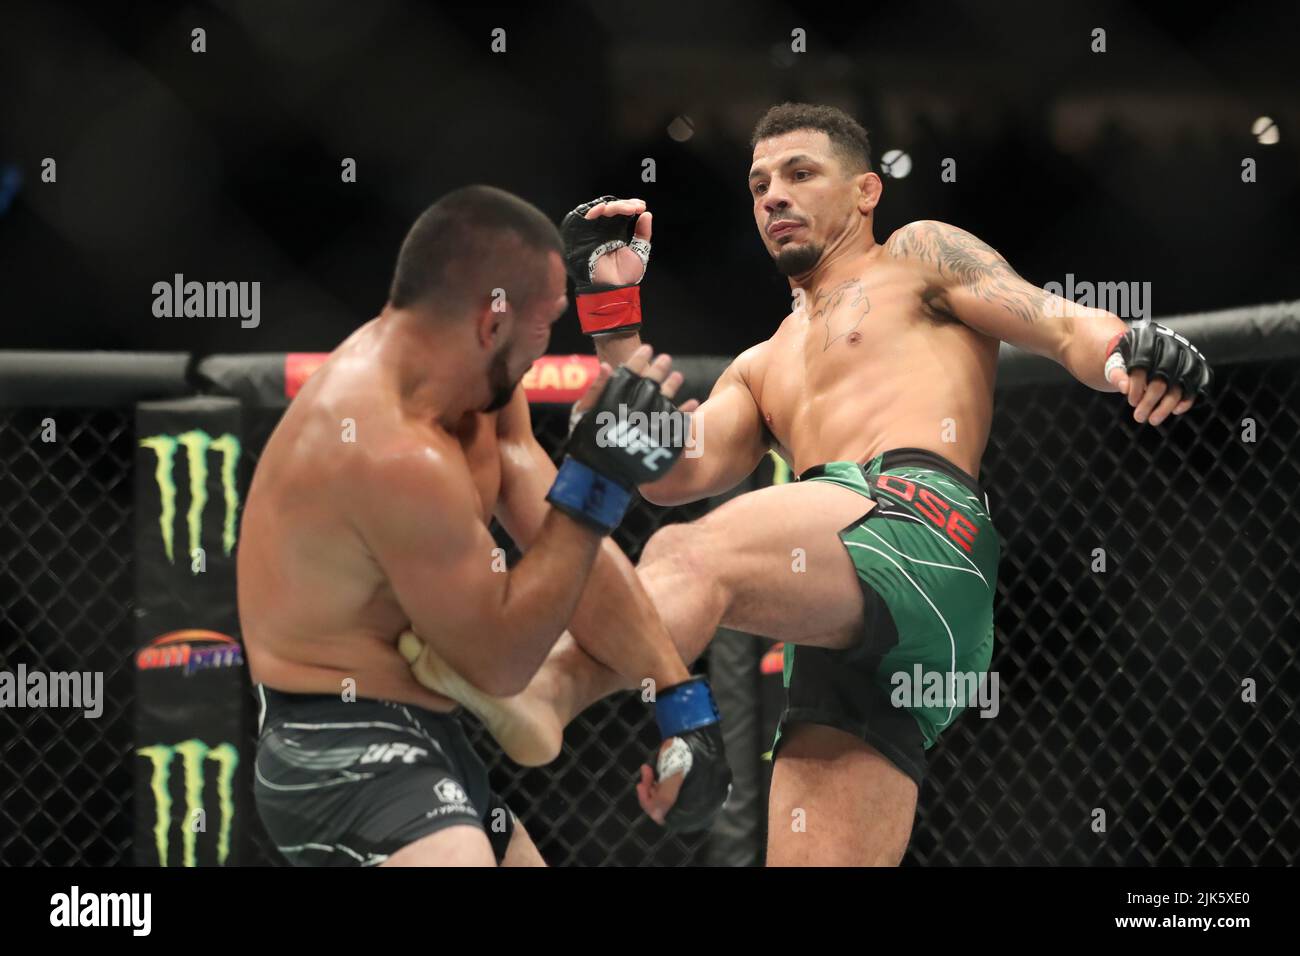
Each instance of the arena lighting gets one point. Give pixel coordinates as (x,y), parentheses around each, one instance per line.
(1265,131)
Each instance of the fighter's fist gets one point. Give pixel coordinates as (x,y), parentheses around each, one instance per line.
(691,781)
(618,444)
(1158,370)
(643,361)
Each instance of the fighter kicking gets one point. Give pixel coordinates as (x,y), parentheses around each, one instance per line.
(880,561)
(368,514)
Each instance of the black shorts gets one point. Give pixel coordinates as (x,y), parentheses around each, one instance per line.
(350,783)
(832,688)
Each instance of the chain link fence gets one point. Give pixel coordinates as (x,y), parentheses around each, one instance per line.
(66,588)
(1146,647)
(1122,689)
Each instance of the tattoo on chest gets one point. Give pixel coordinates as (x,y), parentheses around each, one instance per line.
(843,308)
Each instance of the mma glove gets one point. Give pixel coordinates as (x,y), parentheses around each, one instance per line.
(1164,354)
(608,453)
(688,718)
(602,307)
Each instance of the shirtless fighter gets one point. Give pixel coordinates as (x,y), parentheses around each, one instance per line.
(881,558)
(368,515)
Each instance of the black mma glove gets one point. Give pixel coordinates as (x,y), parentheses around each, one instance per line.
(608,453)
(1164,354)
(602,307)
(688,717)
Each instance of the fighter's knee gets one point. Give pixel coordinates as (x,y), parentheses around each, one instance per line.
(663,545)
(688,546)
(685,559)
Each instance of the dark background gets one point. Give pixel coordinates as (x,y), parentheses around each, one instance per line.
(1124,691)
(1122,166)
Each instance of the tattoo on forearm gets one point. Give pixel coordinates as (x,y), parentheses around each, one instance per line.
(853,298)
(972,264)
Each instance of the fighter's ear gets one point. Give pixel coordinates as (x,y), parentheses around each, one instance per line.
(492,318)
(869,187)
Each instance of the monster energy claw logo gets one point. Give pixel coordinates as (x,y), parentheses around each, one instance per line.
(196,444)
(195,757)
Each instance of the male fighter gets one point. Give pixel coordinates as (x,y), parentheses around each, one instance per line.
(368,514)
(879,562)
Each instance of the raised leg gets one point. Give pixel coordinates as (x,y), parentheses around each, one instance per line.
(768,562)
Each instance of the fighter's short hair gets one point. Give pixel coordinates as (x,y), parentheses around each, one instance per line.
(468,243)
(847,136)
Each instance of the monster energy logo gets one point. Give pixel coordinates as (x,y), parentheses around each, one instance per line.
(195,758)
(196,444)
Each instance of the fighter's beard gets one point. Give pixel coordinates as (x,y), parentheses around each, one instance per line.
(500,383)
(797,260)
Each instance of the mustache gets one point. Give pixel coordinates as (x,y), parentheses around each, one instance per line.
(773,220)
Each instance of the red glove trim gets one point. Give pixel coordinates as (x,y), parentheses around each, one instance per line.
(610,311)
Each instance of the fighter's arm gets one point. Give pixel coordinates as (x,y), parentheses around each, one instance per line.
(727,437)
(975,285)
(978,287)
(419,517)
(613,591)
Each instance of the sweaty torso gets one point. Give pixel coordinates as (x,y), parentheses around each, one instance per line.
(315,606)
(873,363)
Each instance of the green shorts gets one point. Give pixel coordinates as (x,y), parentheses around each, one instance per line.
(927,561)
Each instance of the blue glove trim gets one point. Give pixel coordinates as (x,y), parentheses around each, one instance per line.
(685,706)
(585,493)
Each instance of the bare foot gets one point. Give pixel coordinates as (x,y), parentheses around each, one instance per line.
(526,726)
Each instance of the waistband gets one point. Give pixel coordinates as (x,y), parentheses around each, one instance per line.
(284,698)
(277,703)
(911,458)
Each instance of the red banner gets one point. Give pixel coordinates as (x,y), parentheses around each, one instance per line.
(553,378)
(297,367)
(560,378)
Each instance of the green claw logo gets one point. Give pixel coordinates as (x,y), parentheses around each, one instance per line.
(197,444)
(196,756)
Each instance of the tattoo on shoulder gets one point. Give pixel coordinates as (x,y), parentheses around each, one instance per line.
(974,265)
